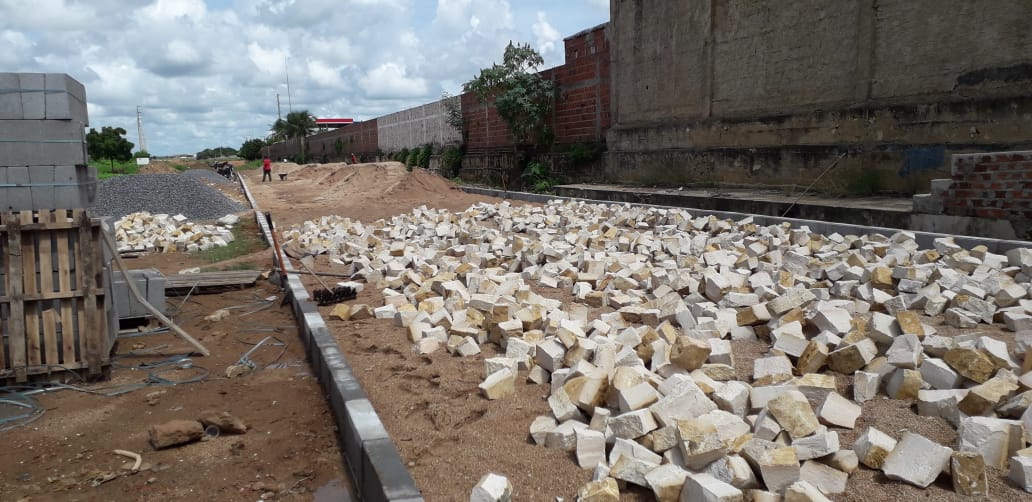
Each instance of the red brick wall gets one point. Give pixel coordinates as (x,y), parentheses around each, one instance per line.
(991,185)
(359,138)
(582,112)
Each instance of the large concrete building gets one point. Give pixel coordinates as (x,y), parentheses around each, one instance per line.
(772,92)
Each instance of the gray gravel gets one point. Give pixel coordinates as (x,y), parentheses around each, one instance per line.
(207,174)
(171,193)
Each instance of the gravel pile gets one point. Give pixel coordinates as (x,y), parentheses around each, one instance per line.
(171,193)
(207,175)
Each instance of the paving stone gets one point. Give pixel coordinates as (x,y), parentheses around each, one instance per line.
(705,488)
(842,460)
(603,490)
(828,480)
(564,436)
(865,386)
(591,448)
(700,443)
(802,491)
(940,403)
(916,460)
(987,396)
(903,384)
(733,398)
(1021,472)
(779,468)
(872,447)
(637,397)
(633,424)
(939,375)
(852,357)
(833,320)
(995,439)
(813,358)
(905,352)
(771,370)
(540,428)
(492,488)
(626,447)
(689,353)
(793,412)
(816,445)
(967,471)
(688,402)
(666,482)
(838,411)
(760,397)
(735,471)
(632,470)
(970,363)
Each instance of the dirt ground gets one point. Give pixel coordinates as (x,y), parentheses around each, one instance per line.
(290,449)
(448,435)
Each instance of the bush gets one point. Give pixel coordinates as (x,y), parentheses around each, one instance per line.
(538,177)
(413,157)
(423,157)
(451,161)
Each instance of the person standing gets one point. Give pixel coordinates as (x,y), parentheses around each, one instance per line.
(266,169)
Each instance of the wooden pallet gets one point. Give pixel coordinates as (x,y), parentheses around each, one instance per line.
(52,313)
(234,278)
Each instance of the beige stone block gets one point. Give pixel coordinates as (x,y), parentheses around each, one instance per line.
(970,363)
(666,482)
(985,397)
(872,447)
(498,384)
(838,411)
(828,480)
(700,443)
(779,468)
(703,487)
(916,460)
(793,412)
(689,353)
(802,491)
(967,470)
(604,490)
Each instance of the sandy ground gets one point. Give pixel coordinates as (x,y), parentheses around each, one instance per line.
(449,435)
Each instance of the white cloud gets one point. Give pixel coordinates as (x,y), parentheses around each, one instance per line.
(206,72)
(391,81)
(546,36)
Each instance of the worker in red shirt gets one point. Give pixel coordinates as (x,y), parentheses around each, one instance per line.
(266,169)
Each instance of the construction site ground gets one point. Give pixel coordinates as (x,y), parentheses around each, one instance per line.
(446,432)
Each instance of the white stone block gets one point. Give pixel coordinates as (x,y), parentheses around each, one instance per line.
(633,424)
(916,460)
(703,487)
(996,439)
(872,447)
(838,411)
(591,448)
(828,480)
(492,488)
(1021,472)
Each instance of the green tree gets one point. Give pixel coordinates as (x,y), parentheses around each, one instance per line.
(298,125)
(110,144)
(142,154)
(523,99)
(252,149)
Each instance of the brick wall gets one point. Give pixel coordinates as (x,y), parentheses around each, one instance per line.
(992,185)
(582,112)
(359,138)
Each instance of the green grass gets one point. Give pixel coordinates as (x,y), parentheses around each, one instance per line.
(105,171)
(246,241)
(251,164)
(178,167)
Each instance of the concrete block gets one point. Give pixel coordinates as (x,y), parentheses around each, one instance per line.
(384,476)
(32,87)
(916,460)
(10,97)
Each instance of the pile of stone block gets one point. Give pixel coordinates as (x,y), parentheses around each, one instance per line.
(145,232)
(43,159)
(643,384)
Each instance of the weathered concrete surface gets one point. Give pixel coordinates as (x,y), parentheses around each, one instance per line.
(730,91)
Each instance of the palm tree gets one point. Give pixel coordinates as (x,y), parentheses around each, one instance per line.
(298,124)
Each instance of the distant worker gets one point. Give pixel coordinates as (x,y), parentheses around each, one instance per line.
(266,169)
(354,160)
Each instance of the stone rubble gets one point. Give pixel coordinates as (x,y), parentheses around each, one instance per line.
(646,390)
(146,232)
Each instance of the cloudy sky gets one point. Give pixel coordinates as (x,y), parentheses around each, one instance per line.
(206,72)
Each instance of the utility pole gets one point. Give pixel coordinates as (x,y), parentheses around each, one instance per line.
(286,68)
(139,130)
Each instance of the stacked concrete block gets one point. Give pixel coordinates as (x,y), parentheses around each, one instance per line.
(43,155)
(646,393)
(931,203)
(150,282)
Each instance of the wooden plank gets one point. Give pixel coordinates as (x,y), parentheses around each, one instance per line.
(3,352)
(58,225)
(56,295)
(84,261)
(30,277)
(105,338)
(16,321)
(209,279)
(64,281)
(46,268)
(50,336)
(28,257)
(33,340)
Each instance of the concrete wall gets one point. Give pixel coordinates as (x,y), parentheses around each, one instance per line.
(764,92)
(417,126)
(360,139)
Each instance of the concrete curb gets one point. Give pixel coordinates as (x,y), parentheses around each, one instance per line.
(924,239)
(373,461)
